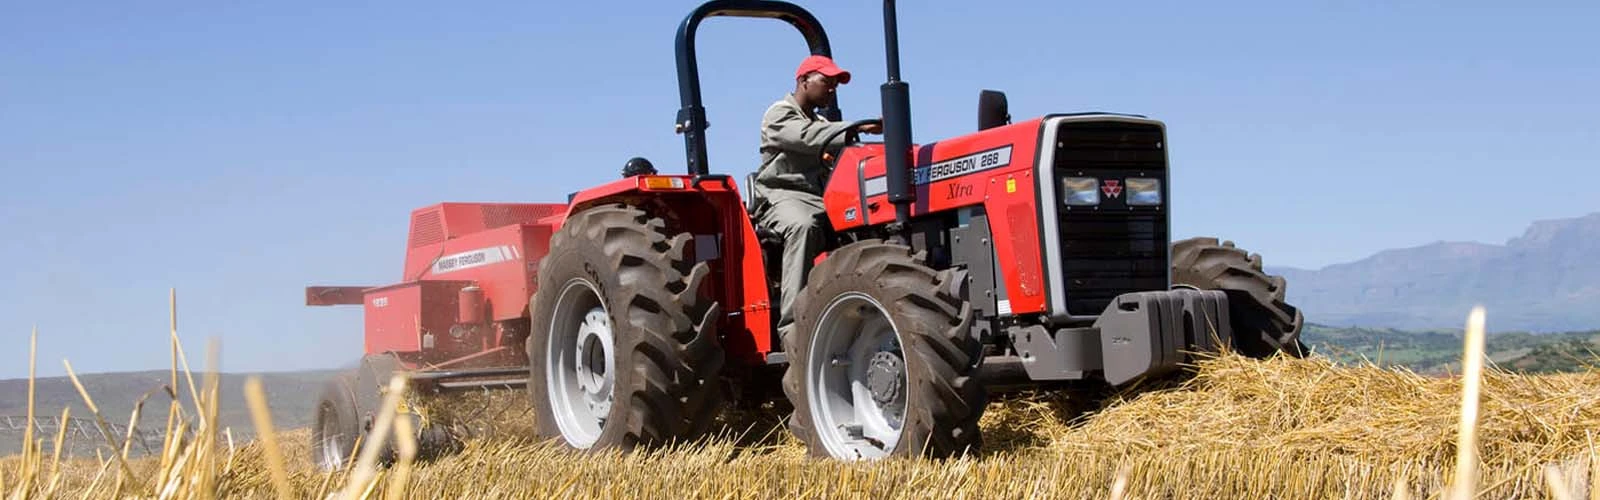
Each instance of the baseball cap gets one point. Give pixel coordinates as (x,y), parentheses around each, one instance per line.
(824,65)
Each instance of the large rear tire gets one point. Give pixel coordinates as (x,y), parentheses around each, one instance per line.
(882,361)
(622,350)
(1263,321)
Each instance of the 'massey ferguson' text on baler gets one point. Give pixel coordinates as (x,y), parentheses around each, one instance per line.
(1034,253)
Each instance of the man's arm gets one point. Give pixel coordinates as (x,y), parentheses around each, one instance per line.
(793,132)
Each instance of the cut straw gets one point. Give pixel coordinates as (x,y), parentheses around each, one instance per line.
(105,429)
(1119,487)
(1594,468)
(1234,428)
(1402,490)
(268,436)
(55,455)
(1558,485)
(360,482)
(1465,483)
(405,436)
(29,449)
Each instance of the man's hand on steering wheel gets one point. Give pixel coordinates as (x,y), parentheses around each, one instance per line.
(852,131)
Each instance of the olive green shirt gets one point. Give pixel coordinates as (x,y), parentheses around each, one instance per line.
(791,142)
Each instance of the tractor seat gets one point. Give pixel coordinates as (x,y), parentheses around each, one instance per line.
(750,200)
(765,236)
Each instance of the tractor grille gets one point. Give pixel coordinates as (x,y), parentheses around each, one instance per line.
(1113,248)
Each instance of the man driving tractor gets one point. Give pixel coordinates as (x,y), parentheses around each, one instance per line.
(790,180)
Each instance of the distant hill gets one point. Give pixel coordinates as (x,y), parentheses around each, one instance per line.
(290,395)
(1546,280)
(1439,351)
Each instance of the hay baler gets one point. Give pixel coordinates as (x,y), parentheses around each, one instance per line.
(1034,254)
(457,320)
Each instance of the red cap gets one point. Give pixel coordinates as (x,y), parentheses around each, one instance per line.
(824,65)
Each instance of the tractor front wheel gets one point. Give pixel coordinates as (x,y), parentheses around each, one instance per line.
(1263,321)
(882,361)
(623,350)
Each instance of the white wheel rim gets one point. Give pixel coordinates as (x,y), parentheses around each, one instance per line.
(580,364)
(328,421)
(856,379)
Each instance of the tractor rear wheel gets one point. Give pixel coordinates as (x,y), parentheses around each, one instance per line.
(1263,321)
(881,358)
(337,425)
(623,350)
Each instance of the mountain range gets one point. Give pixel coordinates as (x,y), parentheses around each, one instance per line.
(1546,280)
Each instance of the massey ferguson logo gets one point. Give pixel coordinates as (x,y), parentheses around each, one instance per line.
(1112,188)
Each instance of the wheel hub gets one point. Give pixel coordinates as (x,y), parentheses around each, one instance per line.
(856,378)
(592,357)
(886,377)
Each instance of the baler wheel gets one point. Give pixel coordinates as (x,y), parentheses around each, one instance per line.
(882,361)
(623,351)
(333,438)
(1263,321)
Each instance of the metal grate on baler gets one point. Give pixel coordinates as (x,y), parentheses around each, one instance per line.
(427,228)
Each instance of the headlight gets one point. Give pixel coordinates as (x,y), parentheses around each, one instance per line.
(1143,192)
(1080,191)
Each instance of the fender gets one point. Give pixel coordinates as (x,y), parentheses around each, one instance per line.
(708,206)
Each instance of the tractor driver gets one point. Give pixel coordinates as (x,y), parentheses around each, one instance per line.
(789,183)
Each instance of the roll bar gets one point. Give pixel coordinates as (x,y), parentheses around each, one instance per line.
(692,116)
(895,92)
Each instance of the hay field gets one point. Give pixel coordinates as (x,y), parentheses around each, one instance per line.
(1238,428)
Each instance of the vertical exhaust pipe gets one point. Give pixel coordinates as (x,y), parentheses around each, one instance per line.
(896,121)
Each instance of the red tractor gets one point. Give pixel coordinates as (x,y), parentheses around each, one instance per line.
(1034,253)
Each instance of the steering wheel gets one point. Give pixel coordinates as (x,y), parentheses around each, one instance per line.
(822,156)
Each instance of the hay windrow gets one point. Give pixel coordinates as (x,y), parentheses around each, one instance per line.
(1312,406)
(1239,428)
(1236,428)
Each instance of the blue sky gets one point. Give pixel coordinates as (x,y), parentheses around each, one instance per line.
(241,151)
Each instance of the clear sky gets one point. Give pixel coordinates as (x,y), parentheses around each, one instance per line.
(241,151)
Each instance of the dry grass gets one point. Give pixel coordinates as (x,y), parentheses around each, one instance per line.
(1239,428)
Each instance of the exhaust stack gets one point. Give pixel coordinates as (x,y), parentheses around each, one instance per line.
(896,121)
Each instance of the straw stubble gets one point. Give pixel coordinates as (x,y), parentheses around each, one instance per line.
(1236,428)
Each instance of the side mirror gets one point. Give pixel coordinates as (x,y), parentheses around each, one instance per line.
(992,110)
